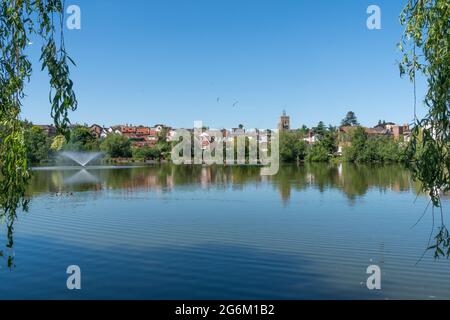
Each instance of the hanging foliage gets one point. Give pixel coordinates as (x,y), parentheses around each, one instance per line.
(22,21)
(425,46)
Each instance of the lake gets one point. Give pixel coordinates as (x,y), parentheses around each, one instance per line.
(197,232)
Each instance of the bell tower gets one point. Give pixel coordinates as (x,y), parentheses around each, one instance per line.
(285,122)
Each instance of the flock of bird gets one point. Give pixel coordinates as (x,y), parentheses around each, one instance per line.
(234,104)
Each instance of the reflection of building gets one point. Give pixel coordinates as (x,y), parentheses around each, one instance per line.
(354,181)
(285,122)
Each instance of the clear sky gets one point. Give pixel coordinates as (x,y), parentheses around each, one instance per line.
(176,61)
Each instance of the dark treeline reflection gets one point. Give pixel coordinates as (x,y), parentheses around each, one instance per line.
(353,180)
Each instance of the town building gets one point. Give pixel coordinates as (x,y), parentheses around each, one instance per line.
(140,136)
(311,138)
(97,131)
(49,130)
(285,122)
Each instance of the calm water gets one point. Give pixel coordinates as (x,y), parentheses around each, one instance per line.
(167,232)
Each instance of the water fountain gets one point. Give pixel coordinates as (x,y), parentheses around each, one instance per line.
(82,158)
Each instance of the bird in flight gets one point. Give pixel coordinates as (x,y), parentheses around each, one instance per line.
(234,104)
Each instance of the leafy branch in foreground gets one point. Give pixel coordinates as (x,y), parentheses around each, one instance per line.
(20,21)
(425,46)
(442,243)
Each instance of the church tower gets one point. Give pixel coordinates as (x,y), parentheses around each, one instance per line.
(285,122)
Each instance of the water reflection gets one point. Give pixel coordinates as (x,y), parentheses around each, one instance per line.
(354,181)
(81,177)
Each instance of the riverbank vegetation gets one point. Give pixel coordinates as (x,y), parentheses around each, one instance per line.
(348,143)
(42,148)
(425,44)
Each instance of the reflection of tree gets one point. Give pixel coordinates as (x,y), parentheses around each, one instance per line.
(323,175)
(353,181)
(8,253)
(356,180)
(288,178)
(11,202)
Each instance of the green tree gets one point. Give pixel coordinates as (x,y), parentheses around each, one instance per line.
(390,150)
(303,131)
(350,120)
(326,146)
(292,147)
(381,123)
(318,153)
(58,143)
(37,144)
(116,146)
(147,153)
(22,21)
(164,148)
(332,128)
(82,139)
(320,130)
(426,49)
(329,141)
(369,149)
(357,139)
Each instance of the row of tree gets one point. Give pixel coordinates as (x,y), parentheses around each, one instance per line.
(357,145)
(364,148)
(42,148)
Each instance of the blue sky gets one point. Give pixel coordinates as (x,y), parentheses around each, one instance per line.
(168,61)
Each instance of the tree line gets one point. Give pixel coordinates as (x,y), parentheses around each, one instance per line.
(356,145)
(42,148)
